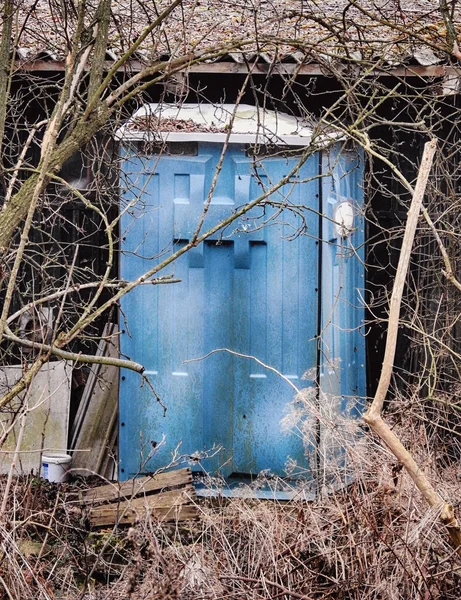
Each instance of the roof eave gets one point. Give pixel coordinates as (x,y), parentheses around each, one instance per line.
(230,68)
(126,135)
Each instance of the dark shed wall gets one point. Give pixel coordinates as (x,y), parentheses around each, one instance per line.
(36,94)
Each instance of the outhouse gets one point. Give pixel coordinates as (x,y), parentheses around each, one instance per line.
(259,308)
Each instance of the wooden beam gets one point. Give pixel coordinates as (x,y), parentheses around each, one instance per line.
(136,487)
(233,68)
(174,505)
(316,69)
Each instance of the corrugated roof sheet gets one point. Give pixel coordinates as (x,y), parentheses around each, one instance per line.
(287,31)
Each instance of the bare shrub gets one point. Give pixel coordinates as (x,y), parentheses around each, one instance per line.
(375,539)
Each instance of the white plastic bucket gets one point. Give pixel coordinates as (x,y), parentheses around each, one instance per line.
(55,467)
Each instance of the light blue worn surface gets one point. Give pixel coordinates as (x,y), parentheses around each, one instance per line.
(252,288)
(342,363)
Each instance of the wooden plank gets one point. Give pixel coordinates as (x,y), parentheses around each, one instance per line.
(79,420)
(135,487)
(174,505)
(317,69)
(97,413)
(48,402)
(109,466)
(179,513)
(133,66)
(259,69)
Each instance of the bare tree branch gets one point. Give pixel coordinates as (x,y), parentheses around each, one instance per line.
(373,415)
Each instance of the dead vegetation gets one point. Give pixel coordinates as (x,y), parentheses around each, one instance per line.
(375,539)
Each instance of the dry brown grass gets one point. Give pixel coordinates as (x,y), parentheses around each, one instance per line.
(374,540)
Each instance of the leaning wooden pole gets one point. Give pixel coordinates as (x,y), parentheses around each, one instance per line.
(373,416)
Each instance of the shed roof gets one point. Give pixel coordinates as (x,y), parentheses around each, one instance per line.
(284,31)
(209,123)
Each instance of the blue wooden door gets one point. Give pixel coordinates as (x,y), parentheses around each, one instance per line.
(250,290)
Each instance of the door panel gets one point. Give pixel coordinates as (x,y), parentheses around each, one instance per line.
(250,289)
(342,357)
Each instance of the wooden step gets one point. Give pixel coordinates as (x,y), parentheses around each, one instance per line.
(173,505)
(166,496)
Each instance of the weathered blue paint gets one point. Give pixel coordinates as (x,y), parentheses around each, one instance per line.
(251,289)
(342,362)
